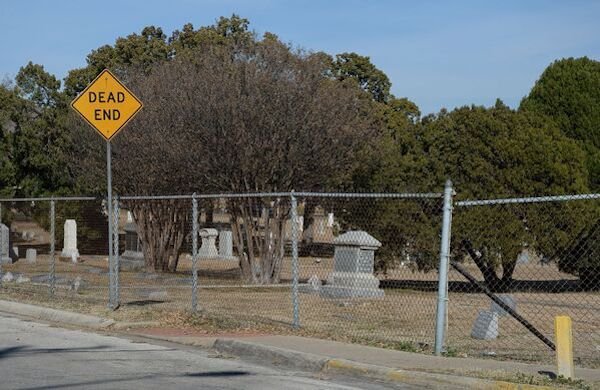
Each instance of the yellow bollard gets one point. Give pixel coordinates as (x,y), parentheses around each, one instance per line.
(564,346)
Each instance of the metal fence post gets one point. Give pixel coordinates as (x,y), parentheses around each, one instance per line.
(194,253)
(116,250)
(443,270)
(295,271)
(52,275)
(1,240)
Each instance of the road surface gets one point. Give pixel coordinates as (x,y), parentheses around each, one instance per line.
(39,356)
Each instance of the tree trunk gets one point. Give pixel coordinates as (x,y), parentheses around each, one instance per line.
(259,240)
(488,270)
(161,228)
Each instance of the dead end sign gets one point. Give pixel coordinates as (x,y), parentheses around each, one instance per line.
(106,104)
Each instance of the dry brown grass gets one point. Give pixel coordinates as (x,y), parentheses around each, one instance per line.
(403,319)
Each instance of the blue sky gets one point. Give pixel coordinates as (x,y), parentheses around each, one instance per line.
(436,53)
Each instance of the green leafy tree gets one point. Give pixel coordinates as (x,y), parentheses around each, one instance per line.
(360,69)
(9,114)
(581,257)
(488,153)
(568,92)
(41,140)
(136,51)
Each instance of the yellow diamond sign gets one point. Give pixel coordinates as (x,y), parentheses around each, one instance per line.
(106,104)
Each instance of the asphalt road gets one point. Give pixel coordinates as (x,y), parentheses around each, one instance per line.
(39,356)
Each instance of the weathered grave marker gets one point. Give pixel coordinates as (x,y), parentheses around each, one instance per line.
(354,261)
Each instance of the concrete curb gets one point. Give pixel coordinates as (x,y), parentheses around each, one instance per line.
(322,364)
(53,315)
(276,356)
(121,325)
(441,381)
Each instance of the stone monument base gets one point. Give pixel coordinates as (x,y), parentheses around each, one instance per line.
(351,285)
(228,258)
(70,253)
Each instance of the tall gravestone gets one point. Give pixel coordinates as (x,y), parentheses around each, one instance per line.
(133,257)
(70,240)
(485,326)
(209,247)
(354,260)
(226,245)
(31,256)
(5,257)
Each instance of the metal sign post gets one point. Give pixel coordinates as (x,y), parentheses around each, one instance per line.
(109,210)
(107,105)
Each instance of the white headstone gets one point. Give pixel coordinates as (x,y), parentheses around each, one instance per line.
(508,300)
(226,245)
(31,256)
(70,240)
(523,257)
(208,248)
(22,279)
(4,244)
(8,277)
(485,326)
(330,220)
(77,284)
(312,286)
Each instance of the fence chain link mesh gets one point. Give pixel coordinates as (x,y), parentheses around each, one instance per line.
(351,267)
(540,257)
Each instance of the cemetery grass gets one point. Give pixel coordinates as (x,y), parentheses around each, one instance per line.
(404,319)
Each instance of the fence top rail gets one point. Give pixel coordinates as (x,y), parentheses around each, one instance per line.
(281,194)
(49,198)
(535,199)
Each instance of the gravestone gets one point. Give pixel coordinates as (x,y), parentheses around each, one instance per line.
(226,245)
(22,279)
(158,296)
(77,284)
(485,326)
(508,300)
(7,253)
(524,257)
(313,285)
(208,248)
(321,228)
(354,260)
(70,240)
(8,277)
(31,256)
(133,257)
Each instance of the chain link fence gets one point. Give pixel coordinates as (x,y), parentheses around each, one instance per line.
(55,248)
(354,267)
(541,257)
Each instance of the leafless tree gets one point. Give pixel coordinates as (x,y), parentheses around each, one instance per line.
(260,117)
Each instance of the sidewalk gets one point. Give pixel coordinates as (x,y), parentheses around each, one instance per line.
(372,356)
(324,357)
